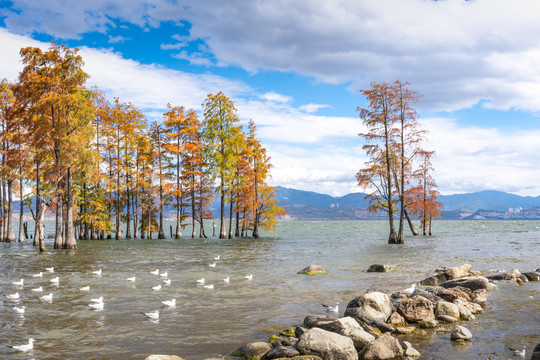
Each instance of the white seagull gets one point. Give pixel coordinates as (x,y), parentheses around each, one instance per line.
(249,277)
(47,298)
(152,315)
(226,279)
(51,269)
(167,281)
(85,288)
(217,257)
(331,308)
(212,265)
(97,272)
(18,310)
(97,306)
(518,352)
(24,348)
(20,282)
(163,274)
(38,289)
(40,274)
(200,281)
(156,288)
(55,281)
(98,300)
(211,286)
(409,290)
(13,296)
(155,272)
(132,279)
(170,303)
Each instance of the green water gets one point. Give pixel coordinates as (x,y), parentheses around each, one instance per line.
(208,323)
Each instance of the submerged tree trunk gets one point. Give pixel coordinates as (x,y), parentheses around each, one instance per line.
(58,240)
(231,216)
(222,230)
(70,242)
(10,235)
(21,212)
(411,225)
(39,235)
(38,204)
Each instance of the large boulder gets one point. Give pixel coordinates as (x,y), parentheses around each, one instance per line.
(280,352)
(312,270)
(327,345)
(313,320)
(447,308)
(381,268)
(460,333)
(416,309)
(470,282)
(454,293)
(251,351)
(372,305)
(443,274)
(532,275)
(511,275)
(410,351)
(385,347)
(349,327)
(536,353)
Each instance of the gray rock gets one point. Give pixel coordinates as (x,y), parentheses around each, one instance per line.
(453,293)
(381,268)
(460,333)
(532,275)
(447,318)
(434,280)
(471,282)
(384,347)
(536,353)
(312,270)
(511,275)
(443,274)
(465,313)
(416,309)
(280,352)
(479,297)
(251,351)
(349,327)
(299,330)
(396,319)
(410,351)
(163,357)
(327,345)
(372,305)
(312,320)
(447,308)
(428,324)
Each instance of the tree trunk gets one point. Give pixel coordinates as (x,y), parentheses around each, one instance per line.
(193,211)
(231,215)
(237,231)
(58,240)
(222,230)
(39,235)
(21,212)
(38,203)
(411,225)
(10,235)
(71,242)
(128,214)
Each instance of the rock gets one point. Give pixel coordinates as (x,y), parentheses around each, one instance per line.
(289,332)
(251,351)
(434,280)
(465,313)
(454,293)
(532,276)
(373,305)
(303,357)
(416,309)
(312,270)
(428,324)
(312,320)
(511,275)
(456,272)
(327,345)
(447,308)
(471,282)
(447,318)
(163,357)
(384,347)
(349,327)
(460,333)
(410,351)
(396,319)
(405,329)
(536,353)
(381,268)
(280,352)
(299,331)
(479,297)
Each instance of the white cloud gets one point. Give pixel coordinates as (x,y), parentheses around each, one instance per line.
(313,108)
(275,97)
(117,39)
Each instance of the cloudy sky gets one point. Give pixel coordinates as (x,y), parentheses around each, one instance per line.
(296,68)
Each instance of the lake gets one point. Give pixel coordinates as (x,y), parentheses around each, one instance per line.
(210,323)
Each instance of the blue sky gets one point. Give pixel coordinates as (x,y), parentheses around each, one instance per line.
(295,68)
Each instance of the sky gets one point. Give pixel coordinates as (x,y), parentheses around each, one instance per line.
(296,69)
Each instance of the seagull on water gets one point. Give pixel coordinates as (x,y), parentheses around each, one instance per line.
(156,288)
(200,281)
(132,279)
(155,272)
(50,269)
(20,282)
(13,296)
(211,286)
(18,310)
(167,281)
(217,257)
(47,298)
(226,279)
(409,290)
(40,274)
(97,272)
(249,277)
(164,274)
(518,352)
(55,281)
(97,305)
(24,348)
(331,308)
(38,289)
(170,303)
(98,300)
(212,265)
(85,288)
(154,315)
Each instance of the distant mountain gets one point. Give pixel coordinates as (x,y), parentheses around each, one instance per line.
(489,199)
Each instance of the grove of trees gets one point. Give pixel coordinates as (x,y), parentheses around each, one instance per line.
(100,166)
(398,172)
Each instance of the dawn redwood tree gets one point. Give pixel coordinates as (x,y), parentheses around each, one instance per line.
(158,142)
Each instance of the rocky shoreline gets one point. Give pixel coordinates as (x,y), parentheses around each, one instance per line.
(373,322)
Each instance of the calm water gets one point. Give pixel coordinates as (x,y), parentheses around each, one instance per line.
(208,323)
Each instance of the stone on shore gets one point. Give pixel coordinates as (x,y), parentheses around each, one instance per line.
(479,296)
(536,353)
(251,351)
(350,328)
(372,305)
(443,274)
(454,293)
(384,347)
(312,270)
(327,345)
(460,333)
(465,309)
(447,308)
(396,319)
(313,320)
(447,318)
(428,324)
(470,282)
(381,268)
(416,309)
(280,352)
(511,275)
(532,275)
(163,357)
(410,351)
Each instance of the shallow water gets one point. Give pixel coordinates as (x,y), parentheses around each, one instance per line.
(207,323)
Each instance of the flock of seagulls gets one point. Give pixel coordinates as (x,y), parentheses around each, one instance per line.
(99,302)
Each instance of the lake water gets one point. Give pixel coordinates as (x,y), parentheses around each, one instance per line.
(209,323)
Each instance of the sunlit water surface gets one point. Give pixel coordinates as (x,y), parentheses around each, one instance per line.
(209,323)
